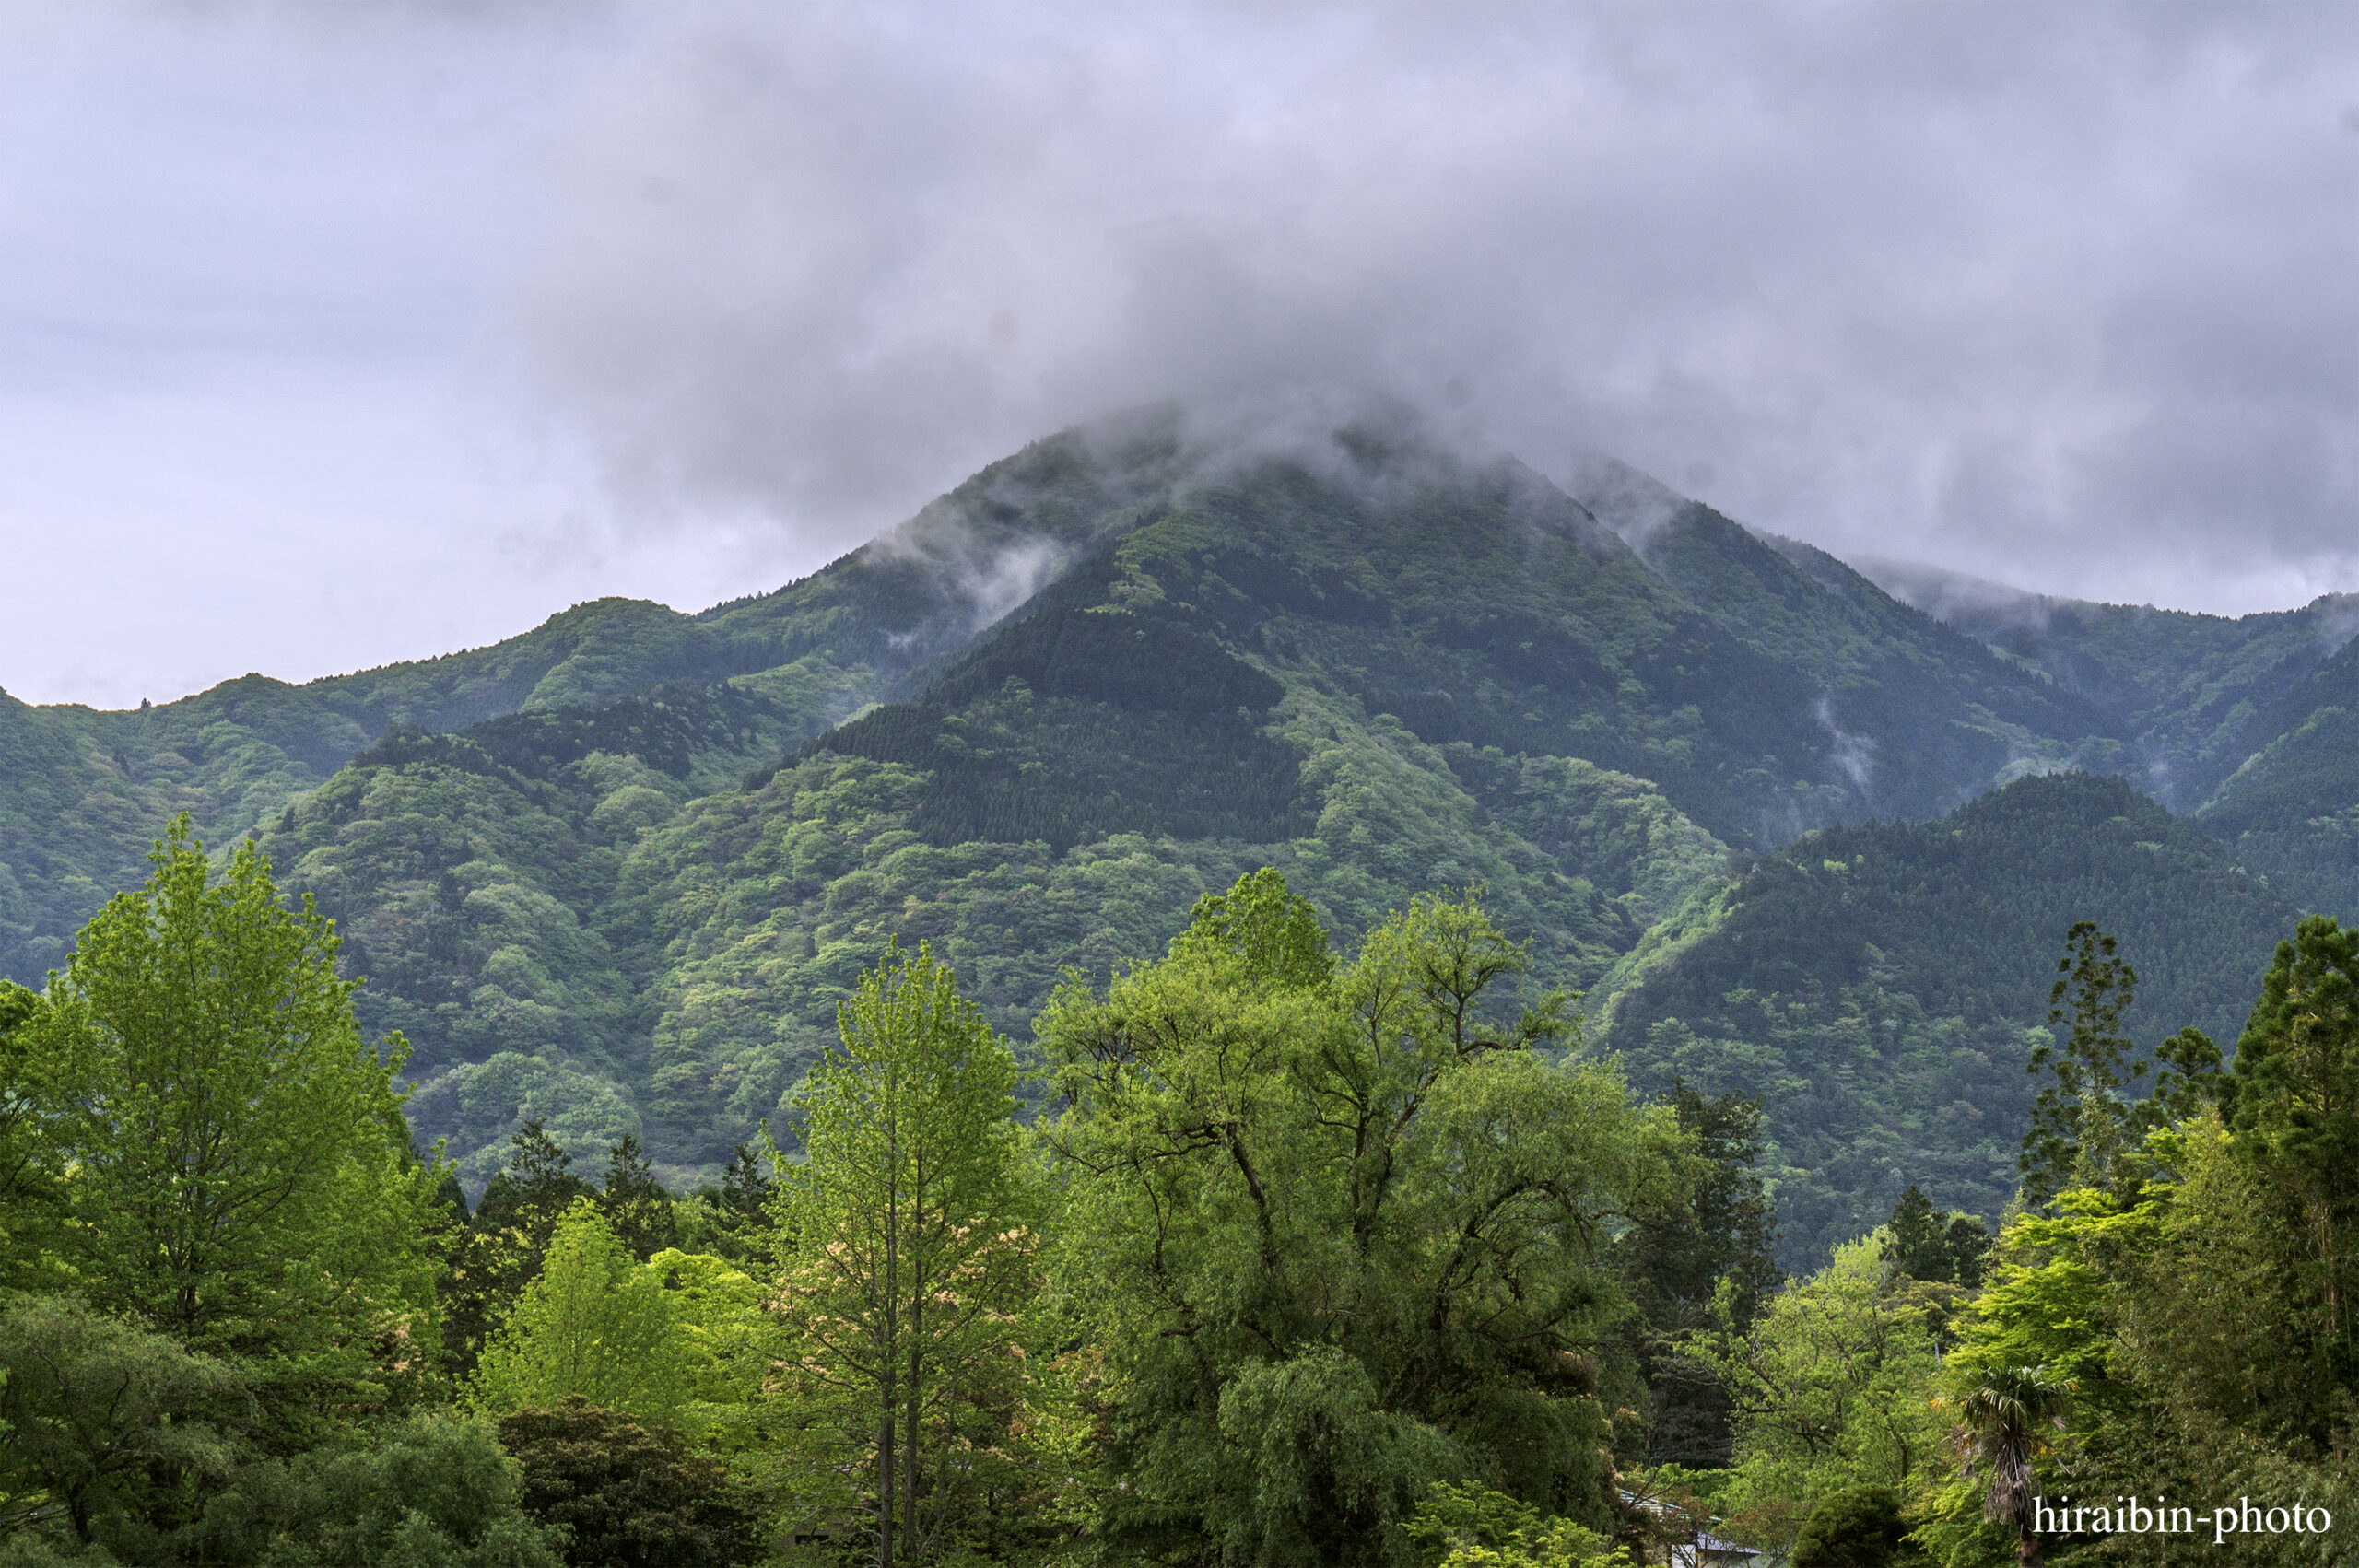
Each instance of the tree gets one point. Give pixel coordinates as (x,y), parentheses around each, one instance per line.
(30,1100)
(910,1224)
(2296,1121)
(1674,1261)
(1857,1528)
(1465,1526)
(597,1324)
(98,1412)
(21,1106)
(524,1201)
(1969,1250)
(635,1203)
(489,1257)
(727,1346)
(730,1218)
(1920,1242)
(242,1174)
(1342,1228)
(1832,1388)
(2081,1123)
(433,1492)
(626,1497)
(1935,1247)
(2003,1424)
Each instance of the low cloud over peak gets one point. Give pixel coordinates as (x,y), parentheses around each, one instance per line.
(2054,293)
(375,330)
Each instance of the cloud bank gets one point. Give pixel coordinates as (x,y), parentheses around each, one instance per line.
(2060,294)
(336,334)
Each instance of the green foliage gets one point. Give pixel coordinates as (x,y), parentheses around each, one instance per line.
(2187,1344)
(241,1172)
(82,792)
(911,1229)
(1016,769)
(531,1193)
(2293,808)
(1675,1259)
(28,1549)
(1341,1233)
(622,1496)
(2005,1422)
(635,1203)
(731,1217)
(489,1257)
(1832,1387)
(1467,1527)
(1389,672)
(1857,1528)
(31,1194)
(435,1492)
(2080,1122)
(1938,1248)
(2295,1118)
(2193,693)
(594,1323)
(97,1415)
(729,1342)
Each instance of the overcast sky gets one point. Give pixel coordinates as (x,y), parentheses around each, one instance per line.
(335,334)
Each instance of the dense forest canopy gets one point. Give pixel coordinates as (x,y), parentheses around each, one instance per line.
(1313,1251)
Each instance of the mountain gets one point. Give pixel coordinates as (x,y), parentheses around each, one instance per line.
(617,871)
(2292,808)
(83,792)
(1875,985)
(1925,716)
(2187,687)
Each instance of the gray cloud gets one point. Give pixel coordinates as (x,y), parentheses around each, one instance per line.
(366,331)
(2060,294)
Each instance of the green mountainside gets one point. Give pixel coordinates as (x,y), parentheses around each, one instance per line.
(617,872)
(2193,691)
(1924,716)
(1875,985)
(2293,808)
(83,792)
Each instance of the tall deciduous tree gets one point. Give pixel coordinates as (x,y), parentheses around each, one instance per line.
(1832,1387)
(909,1222)
(242,1173)
(1343,1228)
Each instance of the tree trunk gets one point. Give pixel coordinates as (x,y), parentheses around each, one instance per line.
(910,1439)
(885,1482)
(887,1395)
(910,1536)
